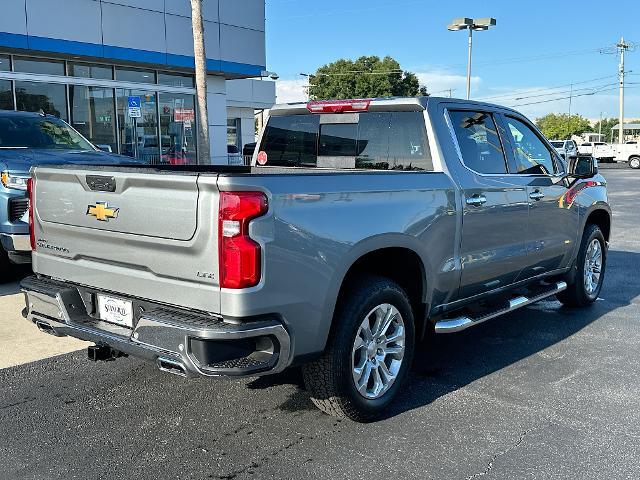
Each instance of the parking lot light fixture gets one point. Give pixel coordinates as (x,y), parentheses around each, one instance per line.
(471,24)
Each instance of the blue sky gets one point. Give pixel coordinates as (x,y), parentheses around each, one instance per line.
(537,44)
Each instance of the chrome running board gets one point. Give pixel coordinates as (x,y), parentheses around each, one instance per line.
(458,324)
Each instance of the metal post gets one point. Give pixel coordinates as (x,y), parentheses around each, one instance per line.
(600,125)
(469,63)
(622,46)
(570,98)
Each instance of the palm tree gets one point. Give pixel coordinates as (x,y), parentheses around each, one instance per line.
(204,150)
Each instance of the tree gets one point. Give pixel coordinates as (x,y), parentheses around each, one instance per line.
(366,77)
(607,126)
(562,126)
(200,54)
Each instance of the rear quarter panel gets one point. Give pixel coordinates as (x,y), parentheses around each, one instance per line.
(318,225)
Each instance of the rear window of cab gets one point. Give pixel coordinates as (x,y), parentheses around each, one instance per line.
(365,141)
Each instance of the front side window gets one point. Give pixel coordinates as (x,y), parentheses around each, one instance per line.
(39,132)
(531,155)
(479,141)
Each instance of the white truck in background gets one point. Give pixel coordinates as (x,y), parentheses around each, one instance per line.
(627,152)
(604,152)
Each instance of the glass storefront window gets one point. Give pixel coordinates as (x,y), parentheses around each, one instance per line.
(93,114)
(176,79)
(6,95)
(5,63)
(88,70)
(37,65)
(51,98)
(177,129)
(233,132)
(135,75)
(139,136)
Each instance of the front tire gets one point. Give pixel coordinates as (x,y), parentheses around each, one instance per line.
(368,353)
(589,267)
(634,162)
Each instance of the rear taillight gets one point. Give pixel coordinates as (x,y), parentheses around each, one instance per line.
(32,198)
(240,259)
(338,106)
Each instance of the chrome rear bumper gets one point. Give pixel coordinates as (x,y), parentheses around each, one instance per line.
(174,339)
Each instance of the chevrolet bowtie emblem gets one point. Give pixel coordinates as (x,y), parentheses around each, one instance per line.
(102,211)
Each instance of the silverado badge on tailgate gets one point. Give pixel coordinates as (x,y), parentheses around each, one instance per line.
(102,211)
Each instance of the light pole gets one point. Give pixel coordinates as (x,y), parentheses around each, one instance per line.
(308,77)
(471,24)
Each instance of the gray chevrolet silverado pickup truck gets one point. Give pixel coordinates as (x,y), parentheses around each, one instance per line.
(361,227)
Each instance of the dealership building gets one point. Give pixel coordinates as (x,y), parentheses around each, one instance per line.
(85,61)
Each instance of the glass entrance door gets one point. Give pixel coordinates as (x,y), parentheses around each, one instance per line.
(139,136)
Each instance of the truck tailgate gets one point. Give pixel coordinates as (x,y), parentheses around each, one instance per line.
(146,233)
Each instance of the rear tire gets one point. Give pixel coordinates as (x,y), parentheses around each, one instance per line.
(589,270)
(368,353)
(634,162)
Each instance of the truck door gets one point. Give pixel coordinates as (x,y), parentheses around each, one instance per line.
(495,206)
(552,231)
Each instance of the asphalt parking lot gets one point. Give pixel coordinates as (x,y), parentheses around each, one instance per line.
(544,393)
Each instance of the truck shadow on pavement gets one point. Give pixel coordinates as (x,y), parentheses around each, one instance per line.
(10,280)
(445,363)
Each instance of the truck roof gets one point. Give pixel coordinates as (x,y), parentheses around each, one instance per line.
(372,105)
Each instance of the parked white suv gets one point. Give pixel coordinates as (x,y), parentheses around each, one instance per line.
(566,148)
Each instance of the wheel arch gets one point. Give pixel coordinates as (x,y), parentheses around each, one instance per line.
(393,256)
(600,217)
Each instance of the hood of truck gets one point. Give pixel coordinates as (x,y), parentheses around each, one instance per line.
(21,160)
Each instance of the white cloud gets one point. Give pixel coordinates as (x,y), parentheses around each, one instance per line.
(438,82)
(290,91)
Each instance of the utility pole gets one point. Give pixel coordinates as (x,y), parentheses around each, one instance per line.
(570,98)
(200,54)
(622,47)
(600,125)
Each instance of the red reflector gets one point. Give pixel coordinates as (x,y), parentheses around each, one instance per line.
(240,256)
(338,106)
(32,197)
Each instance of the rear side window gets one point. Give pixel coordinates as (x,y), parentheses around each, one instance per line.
(369,141)
(479,142)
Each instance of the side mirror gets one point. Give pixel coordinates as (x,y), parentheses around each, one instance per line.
(105,148)
(583,166)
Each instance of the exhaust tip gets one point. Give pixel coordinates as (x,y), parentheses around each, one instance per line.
(44,327)
(171,366)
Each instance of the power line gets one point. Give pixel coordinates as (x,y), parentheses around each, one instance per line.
(565,98)
(546,88)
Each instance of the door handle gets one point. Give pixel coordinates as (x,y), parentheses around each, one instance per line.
(537,195)
(476,200)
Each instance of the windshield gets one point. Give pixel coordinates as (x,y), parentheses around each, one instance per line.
(41,133)
(558,144)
